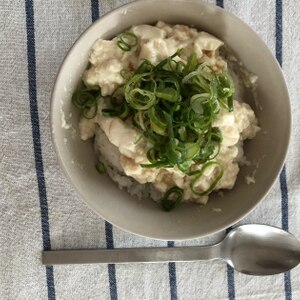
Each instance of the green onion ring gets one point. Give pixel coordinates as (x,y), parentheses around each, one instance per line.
(100,167)
(168,203)
(127,41)
(200,174)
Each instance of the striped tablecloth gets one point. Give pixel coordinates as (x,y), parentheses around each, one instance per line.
(40,209)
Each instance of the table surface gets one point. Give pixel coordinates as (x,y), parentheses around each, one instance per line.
(40,209)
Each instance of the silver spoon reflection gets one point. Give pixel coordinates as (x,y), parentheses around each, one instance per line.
(249,249)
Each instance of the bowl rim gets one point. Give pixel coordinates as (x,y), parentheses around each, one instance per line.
(138,232)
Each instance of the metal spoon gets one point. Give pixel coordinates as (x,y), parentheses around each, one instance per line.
(250,249)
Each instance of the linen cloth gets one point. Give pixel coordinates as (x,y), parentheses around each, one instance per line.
(39,208)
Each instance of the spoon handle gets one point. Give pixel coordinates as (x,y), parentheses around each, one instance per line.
(130,255)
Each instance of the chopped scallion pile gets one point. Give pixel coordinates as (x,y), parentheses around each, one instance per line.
(174,105)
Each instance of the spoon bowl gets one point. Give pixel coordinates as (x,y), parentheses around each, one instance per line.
(260,250)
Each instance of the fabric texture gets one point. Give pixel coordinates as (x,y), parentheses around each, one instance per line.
(40,209)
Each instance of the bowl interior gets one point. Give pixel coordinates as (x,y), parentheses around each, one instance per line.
(144,217)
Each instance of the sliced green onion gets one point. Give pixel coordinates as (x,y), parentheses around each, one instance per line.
(125,111)
(117,97)
(197,100)
(169,125)
(199,175)
(86,100)
(172,155)
(158,164)
(80,99)
(158,124)
(216,135)
(126,74)
(100,167)
(172,198)
(185,166)
(90,111)
(140,99)
(191,151)
(109,112)
(189,76)
(180,67)
(122,111)
(216,151)
(225,90)
(230,103)
(127,41)
(145,67)
(168,94)
(191,64)
(167,60)
(139,120)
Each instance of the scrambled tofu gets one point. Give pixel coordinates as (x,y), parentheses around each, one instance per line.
(120,142)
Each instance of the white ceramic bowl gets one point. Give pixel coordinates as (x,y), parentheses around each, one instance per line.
(144,217)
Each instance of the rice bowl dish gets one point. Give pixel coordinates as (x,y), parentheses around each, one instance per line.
(266,151)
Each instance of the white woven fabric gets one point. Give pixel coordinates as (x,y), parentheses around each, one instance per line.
(73,225)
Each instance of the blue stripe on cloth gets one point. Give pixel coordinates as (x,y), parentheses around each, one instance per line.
(220,3)
(230,278)
(95,9)
(284,198)
(29,8)
(172,276)
(282,178)
(278,31)
(108,227)
(285,226)
(111,267)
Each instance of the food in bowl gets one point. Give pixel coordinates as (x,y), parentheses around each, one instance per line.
(159,101)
